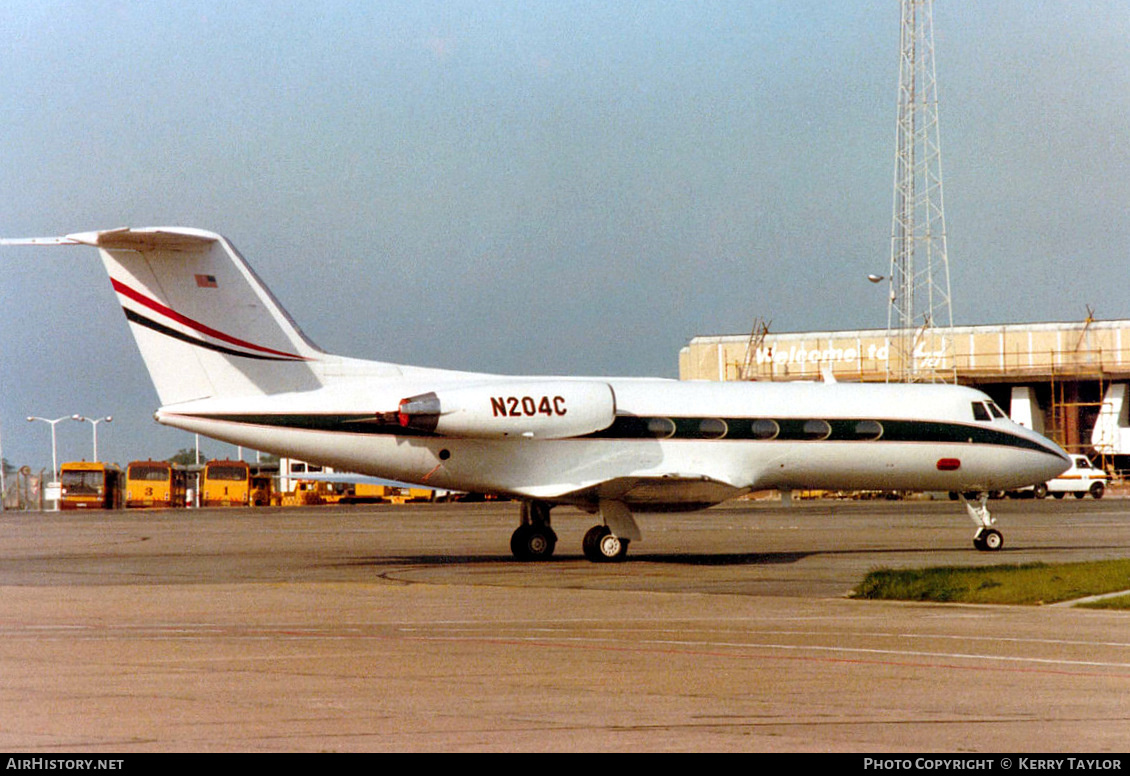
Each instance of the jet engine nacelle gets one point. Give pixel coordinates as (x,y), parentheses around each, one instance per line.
(532,409)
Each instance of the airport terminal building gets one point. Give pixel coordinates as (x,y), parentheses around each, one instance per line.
(1067,380)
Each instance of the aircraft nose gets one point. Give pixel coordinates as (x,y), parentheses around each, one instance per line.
(1055,463)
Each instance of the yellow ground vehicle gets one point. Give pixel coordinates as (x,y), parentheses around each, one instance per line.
(233,484)
(313,492)
(90,485)
(155,484)
(260,489)
(226,484)
(412,496)
(307,493)
(366,493)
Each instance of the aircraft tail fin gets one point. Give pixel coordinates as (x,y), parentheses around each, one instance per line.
(204,322)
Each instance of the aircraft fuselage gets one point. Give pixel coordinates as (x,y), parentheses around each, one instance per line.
(660,439)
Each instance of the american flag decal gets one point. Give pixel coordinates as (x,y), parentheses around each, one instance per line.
(206,281)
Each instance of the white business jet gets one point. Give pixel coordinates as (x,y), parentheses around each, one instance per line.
(228,362)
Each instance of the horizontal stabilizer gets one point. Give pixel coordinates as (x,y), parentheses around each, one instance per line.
(39,241)
(125,238)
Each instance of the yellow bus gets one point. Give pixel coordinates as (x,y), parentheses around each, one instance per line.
(226,484)
(90,485)
(155,484)
(233,484)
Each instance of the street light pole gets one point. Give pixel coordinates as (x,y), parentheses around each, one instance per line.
(94,423)
(54,457)
(3,481)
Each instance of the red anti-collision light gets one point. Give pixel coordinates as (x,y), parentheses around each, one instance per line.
(949,464)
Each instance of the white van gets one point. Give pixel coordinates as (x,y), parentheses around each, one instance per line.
(1082,478)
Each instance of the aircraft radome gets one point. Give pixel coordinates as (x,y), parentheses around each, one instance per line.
(228,362)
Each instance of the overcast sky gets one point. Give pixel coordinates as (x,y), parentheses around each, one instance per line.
(531,187)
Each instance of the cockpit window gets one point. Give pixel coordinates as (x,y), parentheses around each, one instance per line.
(997,411)
(980,412)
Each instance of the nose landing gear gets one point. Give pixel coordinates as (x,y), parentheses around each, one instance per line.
(987,538)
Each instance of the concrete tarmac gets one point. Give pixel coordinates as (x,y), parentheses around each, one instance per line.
(413,629)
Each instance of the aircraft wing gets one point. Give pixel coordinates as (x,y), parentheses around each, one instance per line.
(347,477)
(662,493)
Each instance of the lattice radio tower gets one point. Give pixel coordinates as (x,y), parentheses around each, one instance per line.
(919,318)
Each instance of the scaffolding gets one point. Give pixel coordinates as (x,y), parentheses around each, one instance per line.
(1078,392)
(747,369)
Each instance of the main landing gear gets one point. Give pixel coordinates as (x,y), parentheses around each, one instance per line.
(600,545)
(534,539)
(987,538)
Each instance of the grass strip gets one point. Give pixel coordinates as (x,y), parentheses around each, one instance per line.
(1115,602)
(1028,583)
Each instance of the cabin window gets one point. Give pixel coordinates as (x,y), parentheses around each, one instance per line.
(764,429)
(661,428)
(227,473)
(712,428)
(815,430)
(868,430)
(156,472)
(980,412)
(77,482)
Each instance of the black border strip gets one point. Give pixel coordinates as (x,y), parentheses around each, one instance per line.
(632,427)
(135,317)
